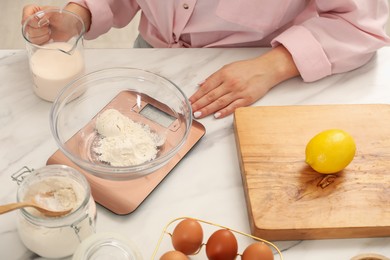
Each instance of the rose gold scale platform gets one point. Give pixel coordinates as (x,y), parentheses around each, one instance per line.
(124,196)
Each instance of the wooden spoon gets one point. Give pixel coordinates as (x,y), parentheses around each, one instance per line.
(47,212)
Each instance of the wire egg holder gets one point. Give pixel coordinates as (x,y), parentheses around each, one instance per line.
(166,233)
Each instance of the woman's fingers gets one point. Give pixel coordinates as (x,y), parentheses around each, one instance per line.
(36,27)
(205,87)
(29,10)
(220,105)
(221,100)
(207,93)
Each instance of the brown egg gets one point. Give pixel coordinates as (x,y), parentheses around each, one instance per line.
(222,245)
(174,255)
(187,237)
(258,251)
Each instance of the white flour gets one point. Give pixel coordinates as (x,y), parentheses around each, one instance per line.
(124,142)
(63,198)
(56,194)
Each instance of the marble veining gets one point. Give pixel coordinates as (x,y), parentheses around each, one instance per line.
(207,182)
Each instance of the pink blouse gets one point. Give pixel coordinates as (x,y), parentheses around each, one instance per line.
(323,36)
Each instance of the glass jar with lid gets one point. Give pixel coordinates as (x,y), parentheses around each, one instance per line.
(107,246)
(55,186)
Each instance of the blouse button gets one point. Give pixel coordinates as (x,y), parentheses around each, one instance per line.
(185,6)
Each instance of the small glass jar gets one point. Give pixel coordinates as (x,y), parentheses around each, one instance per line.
(107,246)
(55,237)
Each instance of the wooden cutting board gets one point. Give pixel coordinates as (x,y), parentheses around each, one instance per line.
(286,199)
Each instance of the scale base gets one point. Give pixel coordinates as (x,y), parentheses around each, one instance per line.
(123,197)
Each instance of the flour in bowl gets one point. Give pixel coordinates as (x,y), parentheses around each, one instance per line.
(124,142)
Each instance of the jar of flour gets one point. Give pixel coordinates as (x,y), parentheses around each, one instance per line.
(56,187)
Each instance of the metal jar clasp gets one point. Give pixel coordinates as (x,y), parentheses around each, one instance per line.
(21,174)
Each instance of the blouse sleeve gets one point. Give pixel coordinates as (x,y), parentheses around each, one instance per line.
(334,36)
(107,14)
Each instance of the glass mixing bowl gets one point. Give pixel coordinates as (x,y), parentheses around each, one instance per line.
(149,100)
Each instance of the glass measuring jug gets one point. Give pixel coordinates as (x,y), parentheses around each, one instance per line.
(54,43)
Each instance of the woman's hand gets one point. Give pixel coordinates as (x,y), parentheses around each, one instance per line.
(38,32)
(44,27)
(242,83)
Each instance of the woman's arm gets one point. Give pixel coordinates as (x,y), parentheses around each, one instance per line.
(106,14)
(327,37)
(82,11)
(335,36)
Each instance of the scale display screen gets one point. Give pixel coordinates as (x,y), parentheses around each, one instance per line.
(158,116)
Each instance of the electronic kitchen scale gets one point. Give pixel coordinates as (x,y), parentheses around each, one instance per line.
(124,196)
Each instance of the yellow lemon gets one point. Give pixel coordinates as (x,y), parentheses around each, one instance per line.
(330,151)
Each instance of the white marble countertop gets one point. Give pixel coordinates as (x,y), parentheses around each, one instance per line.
(207,182)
